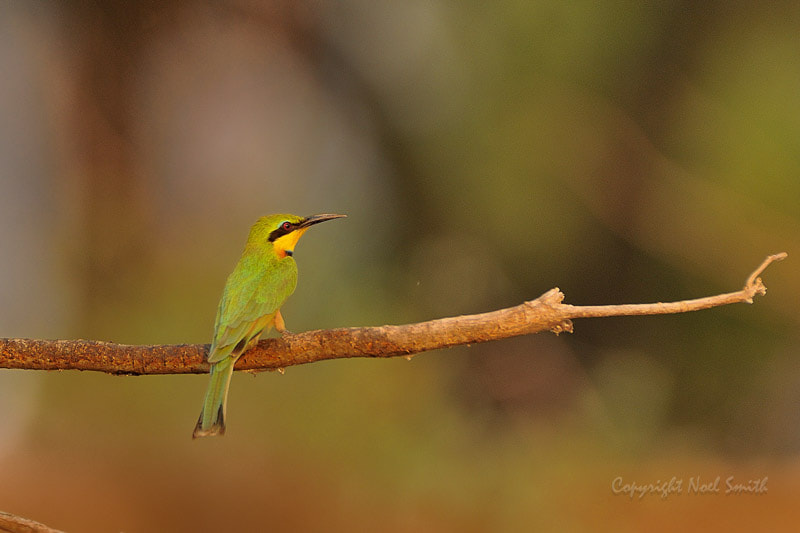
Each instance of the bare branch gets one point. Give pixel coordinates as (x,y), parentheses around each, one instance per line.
(16,524)
(545,313)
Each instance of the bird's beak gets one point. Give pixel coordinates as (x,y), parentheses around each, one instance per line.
(316,219)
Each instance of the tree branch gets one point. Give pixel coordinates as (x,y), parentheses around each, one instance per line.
(16,524)
(544,313)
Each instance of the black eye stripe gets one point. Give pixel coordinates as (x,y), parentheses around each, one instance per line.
(283,229)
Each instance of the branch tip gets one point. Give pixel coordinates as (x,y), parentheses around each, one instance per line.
(754,285)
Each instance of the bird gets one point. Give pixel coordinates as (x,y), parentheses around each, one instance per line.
(263,279)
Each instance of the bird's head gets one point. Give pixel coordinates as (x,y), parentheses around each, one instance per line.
(283,231)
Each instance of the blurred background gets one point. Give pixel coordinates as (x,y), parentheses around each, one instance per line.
(485,152)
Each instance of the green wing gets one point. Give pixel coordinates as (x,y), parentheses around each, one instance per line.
(254,292)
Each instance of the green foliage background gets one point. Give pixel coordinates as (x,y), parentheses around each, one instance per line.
(484,152)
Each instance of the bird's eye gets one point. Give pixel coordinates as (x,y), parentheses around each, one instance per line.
(286,226)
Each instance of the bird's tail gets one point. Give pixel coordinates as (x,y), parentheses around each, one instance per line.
(212,417)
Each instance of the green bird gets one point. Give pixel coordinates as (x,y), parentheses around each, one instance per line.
(263,279)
